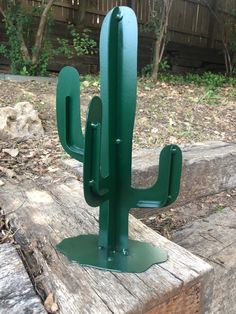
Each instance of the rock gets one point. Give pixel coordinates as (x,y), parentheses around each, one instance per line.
(20,122)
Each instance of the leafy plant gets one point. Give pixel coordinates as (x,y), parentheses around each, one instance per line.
(157,25)
(64,48)
(82,43)
(146,70)
(27,56)
(208,79)
(164,65)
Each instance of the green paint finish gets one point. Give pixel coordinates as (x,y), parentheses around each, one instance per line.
(106,150)
(85,250)
(68,113)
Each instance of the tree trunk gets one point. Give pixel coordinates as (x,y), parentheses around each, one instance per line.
(40,32)
(82,11)
(23,47)
(161,38)
(156,59)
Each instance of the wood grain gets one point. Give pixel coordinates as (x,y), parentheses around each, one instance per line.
(17,294)
(48,216)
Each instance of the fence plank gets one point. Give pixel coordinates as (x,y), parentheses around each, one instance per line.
(190,22)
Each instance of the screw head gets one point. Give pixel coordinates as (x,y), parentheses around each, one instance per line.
(119,17)
(91,182)
(125,252)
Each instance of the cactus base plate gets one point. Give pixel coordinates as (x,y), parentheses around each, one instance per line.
(84,250)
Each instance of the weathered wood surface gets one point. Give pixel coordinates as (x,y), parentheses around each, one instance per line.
(17,295)
(214,239)
(45,217)
(208,168)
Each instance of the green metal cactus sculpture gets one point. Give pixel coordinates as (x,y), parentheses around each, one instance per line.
(106,151)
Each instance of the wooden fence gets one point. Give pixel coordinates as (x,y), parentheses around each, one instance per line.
(191,24)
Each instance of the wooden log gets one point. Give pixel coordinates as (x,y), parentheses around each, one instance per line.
(214,239)
(45,217)
(17,294)
(208,168)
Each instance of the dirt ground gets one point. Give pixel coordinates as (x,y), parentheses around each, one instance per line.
(166,113)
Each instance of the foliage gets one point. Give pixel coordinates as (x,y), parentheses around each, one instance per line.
(164,66)
(19,29)
(147,70)
(211,82)
(157,25)
(21,48)
(154,22)
(225,16)
(64,48)
(207,79)
(82,43)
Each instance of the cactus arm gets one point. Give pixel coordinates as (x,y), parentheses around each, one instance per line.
(68,113)
(166,189)
(95,186)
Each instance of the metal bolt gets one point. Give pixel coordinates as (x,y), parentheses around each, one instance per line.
(91,182)
(94,125)
(125,252)
(118,141)
(119,17)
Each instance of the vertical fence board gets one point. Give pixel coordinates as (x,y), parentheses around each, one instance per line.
(190,22)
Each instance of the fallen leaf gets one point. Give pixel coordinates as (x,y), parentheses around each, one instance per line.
(51,169)
(8,172)
(173,140)
(86,83)
(13,152)
(49,304)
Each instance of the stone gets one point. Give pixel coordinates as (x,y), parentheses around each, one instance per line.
(20,122)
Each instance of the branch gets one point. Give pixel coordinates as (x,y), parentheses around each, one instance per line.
(2,12)
(40,32)
(23,47)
